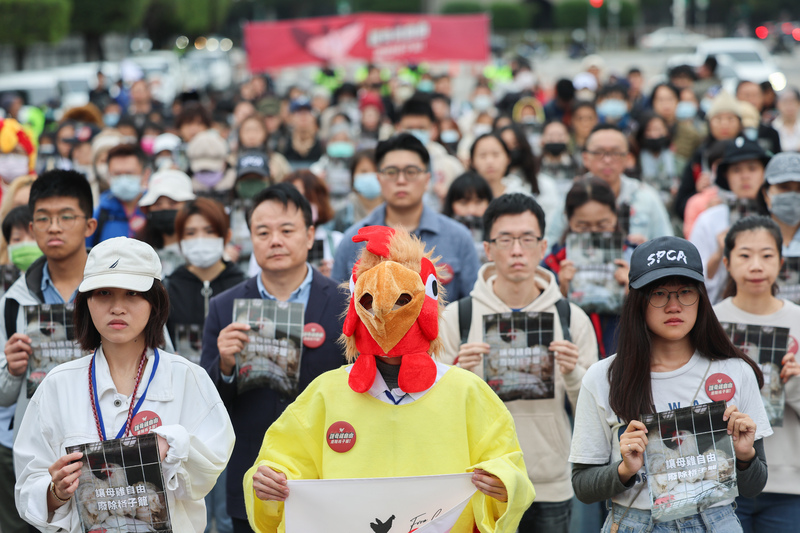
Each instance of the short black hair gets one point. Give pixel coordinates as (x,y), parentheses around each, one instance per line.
(401,141)
(468,185)
(565,90)
(87,336)
(129,150)
(62,183)
(669,86)
(745,82)
(711,64)
(612,88)
(284,193)
(417,106)
(612,127)
(19,217)
(682,71)
(511,204)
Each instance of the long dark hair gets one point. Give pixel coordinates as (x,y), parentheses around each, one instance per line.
(528,163)
(583,191)
(630,387)
(468,185)
(750,223)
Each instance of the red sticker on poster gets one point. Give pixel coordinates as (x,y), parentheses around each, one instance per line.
(341,437)
(446,273)
(144,422)
(720,387)
(313,335)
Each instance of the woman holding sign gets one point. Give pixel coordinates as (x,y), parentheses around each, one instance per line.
(128,387)
(674,361)
(753,259)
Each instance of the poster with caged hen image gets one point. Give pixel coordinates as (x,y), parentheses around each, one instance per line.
(689,459)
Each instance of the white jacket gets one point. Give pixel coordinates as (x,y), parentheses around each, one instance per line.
(543,427)
(194,421)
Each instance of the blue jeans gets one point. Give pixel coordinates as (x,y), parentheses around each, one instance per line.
(769,512)
(216,507)
(712,520)
(546,517)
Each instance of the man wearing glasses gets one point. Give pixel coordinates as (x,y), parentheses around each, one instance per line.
(642,214)
(404,174)
(514,281)
(61,206)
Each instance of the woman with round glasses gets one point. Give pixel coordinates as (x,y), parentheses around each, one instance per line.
(673,353)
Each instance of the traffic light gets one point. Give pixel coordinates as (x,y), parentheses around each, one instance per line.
(596,3)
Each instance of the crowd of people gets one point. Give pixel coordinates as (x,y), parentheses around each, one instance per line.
(267,196)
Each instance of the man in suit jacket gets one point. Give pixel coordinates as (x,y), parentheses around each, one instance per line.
(282,233)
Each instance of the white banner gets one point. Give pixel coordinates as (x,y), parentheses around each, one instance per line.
(423,504)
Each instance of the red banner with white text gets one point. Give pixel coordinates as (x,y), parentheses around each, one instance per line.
(372,37)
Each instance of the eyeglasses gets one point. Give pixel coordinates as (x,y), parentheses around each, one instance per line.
(616,156)
(64,220)
(505,242)
(412,173)
(685,295)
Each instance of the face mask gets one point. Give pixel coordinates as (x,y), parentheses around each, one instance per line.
(13,166)
(111,119)
(208,178)
(482,102)
(423,135)
(612,108)
(23,254)
(555,149)
(750,133)
(86,170)
(248,189)
(784,207)
(340,150)
(529,120)
(163,222)
(203,252)
(425,86)
(481,129)
(101,171)
(449,136)
(404,93)
(686,110)
(367,185)
(147,143)
(126,187)
(47,149)
(163,163)
(655,145)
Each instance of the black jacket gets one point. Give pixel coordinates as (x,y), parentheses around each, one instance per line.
(186,299)
(255,410)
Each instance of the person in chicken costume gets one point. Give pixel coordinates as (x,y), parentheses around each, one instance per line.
(410,415)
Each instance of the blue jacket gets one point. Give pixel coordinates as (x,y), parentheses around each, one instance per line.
(451,240)
(112,221)
(255,410)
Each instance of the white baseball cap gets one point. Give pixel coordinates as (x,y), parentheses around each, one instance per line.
(166,142)
(121,263)
(171,183)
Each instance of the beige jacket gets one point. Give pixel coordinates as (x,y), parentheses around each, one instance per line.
(543,426)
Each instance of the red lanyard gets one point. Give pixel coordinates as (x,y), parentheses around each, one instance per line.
(95,407)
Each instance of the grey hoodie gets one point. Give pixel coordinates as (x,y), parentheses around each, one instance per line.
(543,426)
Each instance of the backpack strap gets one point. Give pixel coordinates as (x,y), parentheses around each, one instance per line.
(564,312)
(102,218)
(10,313)
(464,317)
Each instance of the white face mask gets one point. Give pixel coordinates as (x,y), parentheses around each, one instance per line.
(203,252)
(13,166)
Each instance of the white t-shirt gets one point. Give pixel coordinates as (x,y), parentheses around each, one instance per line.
(709,224)
(780,448)
(595,439)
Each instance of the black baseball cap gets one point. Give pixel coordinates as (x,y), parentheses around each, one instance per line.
(253,162)
(664,257)
(736,151)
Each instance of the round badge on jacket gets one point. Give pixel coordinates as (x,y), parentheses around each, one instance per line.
(720,387)
(144,422)
(341,437)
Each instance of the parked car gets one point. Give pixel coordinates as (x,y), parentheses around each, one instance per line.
(749,58)
(671,39)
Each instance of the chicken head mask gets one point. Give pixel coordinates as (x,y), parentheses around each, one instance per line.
(394,309)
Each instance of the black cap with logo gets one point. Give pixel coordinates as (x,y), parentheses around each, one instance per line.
(664,257)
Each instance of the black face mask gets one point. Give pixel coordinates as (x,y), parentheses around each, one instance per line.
(555,149)
(655,145)
(162,222)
